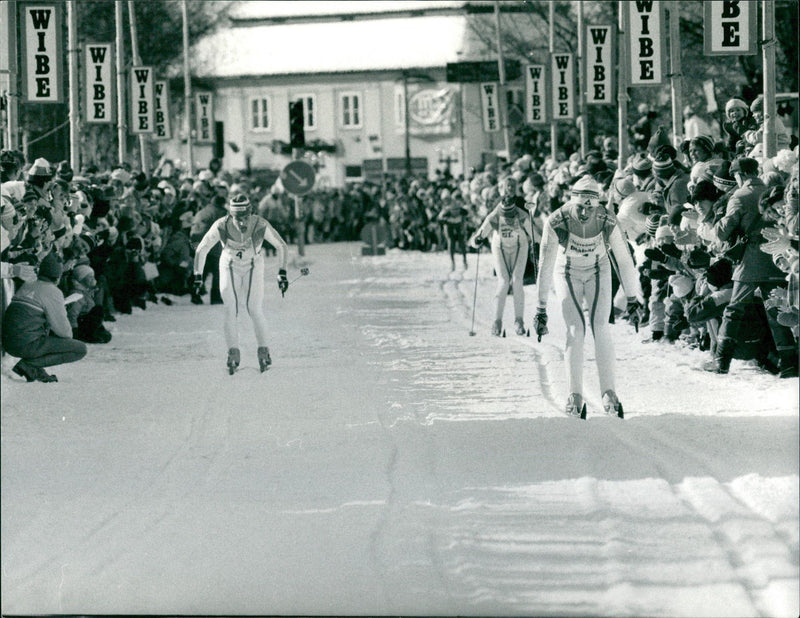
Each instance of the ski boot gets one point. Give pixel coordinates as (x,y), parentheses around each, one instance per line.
(611,404)
(497,327)
(233,360)
(519,326)
(264,361)
(575,406)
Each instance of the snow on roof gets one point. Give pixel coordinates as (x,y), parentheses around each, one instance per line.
(330,46)
(255,10)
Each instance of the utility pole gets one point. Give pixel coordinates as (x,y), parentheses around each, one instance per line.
(74,87)
(12,100)
(502,104)
(122,117)
(187,89)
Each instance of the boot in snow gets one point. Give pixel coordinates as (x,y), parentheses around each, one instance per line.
(497,327)
(611,404)
(575,406)
(264,361)
(233,360)
(519,326)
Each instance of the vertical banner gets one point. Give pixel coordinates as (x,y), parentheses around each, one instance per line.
(42,52)
(489,105)
(535,94)
(142,100)
(562,73)
(163,130)
(646,42)
(204,115)
(730,27)
(598,64)
(99,83)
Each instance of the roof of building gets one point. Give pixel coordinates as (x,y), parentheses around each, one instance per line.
(250,46)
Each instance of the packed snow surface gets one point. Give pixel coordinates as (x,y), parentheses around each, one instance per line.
(390,463)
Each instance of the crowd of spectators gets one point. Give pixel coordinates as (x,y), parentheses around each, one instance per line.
(713,227)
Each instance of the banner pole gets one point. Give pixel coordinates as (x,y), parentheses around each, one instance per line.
(122,117)
(502,103)
(187,89)
(582,82)
(144,153)
(552,48)
(622,84)
(770,139)
(74,87)
(675,73)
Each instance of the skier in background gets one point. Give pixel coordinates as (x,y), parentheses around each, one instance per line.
(509,225)
(575,244)
(453,218)
(241,271)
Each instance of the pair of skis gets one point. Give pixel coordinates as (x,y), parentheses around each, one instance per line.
(581,413)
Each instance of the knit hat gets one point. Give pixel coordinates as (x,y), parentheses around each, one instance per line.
(41,167)
(663,165)
(642,164)
(704,190)
(585,190)
(622,187)
(659,138)
(82,273)
(735,103)
(723,180)
(681,285)
(720,273)
(121,175)
(758,104)
(704,142)
(744,165)
(51,268)
(64,171)
(536,179)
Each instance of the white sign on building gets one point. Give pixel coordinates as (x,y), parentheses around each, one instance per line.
(646,42)
(599,64)
(730,27)
(204,114)
(489,105)
(162,126)
(535,94)
(42,54)
(562,72)
(142,100)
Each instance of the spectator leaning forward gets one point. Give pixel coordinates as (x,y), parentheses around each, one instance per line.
(36,328)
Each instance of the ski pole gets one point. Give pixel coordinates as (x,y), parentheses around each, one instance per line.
(475,293)
(303,273)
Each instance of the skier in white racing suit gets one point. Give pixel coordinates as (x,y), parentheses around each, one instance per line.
(241,270)
(508,227)
(575,245)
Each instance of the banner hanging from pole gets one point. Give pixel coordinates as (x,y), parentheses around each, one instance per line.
(142,100)
(163,130)
(42,52)
(646,42)
(562,75)
(730,28)
(491,120)
(535,94)
(98,64)
(204,117)
(599,63)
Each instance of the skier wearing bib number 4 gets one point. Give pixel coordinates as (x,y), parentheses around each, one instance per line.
(241,271)
(510,234)
(575,248)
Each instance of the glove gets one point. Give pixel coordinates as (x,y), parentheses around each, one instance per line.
(283,282)
(634,312)
(540,323)
(197,285)
(475,241)
(779,240)
(788,316)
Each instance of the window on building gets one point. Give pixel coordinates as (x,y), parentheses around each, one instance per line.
(351,109)
(352,171)
(309,110)
(260,114)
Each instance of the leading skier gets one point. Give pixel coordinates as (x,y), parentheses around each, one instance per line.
(241,272)
(575,245)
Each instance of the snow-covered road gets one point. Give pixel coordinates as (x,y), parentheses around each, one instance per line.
(389,463)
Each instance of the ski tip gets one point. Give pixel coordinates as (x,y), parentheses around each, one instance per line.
(504,332)
(583,411)
(620,412)
(528,333)
(539,338)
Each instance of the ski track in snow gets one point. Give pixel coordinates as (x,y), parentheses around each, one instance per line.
(441,478)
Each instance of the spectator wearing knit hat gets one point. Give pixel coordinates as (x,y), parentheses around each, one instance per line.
(671,182)
(642,172)
(36,328)
(755,271)
(701,153)
(738,120)
(85,315)
(755,137)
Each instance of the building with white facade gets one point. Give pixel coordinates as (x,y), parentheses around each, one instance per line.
(358,67)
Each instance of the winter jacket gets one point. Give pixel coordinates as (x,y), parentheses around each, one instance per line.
(35,311)
(676,194)
(742,220)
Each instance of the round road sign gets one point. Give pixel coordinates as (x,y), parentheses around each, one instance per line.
(298,177)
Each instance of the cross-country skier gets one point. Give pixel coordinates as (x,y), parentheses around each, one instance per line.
(241,271)
(509,226)
(575,246)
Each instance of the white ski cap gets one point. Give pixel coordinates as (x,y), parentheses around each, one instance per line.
(239,203)
(585,190)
